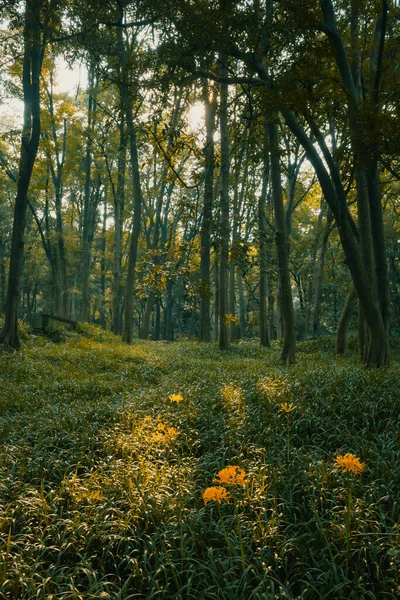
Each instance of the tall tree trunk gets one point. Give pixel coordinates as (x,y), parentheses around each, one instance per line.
(216,298)
(235,238)
(224,212)
(232,325)
(365,229)
(127,107)
(57,178)
(60,237)
(311,276)
(2,277)
(87,201)
(133,246)
(242,305)
(103,245)
(289,336)
(119,201)
(32,65)
(205,245)
(270,307)
(319,274)
(262,241)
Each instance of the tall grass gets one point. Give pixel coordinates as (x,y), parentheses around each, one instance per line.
(107,450)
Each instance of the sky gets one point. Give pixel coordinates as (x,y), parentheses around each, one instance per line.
(67,81)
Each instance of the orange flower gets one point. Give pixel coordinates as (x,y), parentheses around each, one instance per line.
(350,462)
(216,493)
(231,476)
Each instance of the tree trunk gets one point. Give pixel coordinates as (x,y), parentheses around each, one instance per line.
(262,241)
(137,210)
(2,277)
(270,308)
(169,323)
(242,306)
(344,322)
(87,201)
(57,178)
(235,235)
(319,274)
(224,213)
(157,328)
(32,64)
(145,330)
(289,337)
(103,322)
(119,201)
(205,284)
(126,102)
(311,276)
(216,298)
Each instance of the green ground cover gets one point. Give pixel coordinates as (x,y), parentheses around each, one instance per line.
(107,451)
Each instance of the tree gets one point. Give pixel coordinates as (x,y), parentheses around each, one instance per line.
(34,39)
(224,211)
(205,241)
(289,335)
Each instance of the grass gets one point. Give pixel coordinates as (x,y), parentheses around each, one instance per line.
(102,475)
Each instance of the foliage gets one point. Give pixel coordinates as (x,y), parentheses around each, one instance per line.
(57,332)
(104,477)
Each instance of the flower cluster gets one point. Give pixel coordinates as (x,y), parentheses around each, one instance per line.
(164,434)
(175,398)
(231,475)
(350,462)
(233,396)
(216,493)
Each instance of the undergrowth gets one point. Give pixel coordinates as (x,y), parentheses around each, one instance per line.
(108,449)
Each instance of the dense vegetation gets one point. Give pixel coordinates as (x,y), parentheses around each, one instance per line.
(107,450)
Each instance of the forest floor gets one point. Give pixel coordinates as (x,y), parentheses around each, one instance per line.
(109,452)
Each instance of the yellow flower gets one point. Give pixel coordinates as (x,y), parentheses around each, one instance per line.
(287,408)
(216,493)
(232,394)
(229,318)
(172,432)
(231,476)
(175,398)
(350,462)
(164,433)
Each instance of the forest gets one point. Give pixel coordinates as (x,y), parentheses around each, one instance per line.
(199,299)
